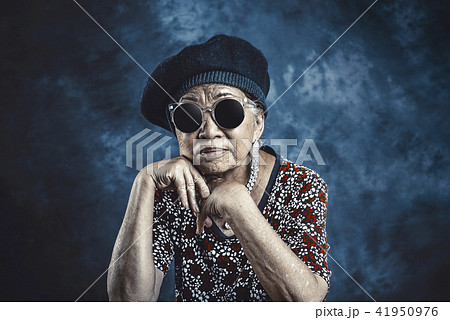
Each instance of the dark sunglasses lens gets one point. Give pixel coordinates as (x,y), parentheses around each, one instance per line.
(229,113)
(187,117)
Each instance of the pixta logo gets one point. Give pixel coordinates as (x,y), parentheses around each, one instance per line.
(303,155)
(149,141)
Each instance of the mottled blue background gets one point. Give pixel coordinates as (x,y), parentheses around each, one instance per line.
(376,106)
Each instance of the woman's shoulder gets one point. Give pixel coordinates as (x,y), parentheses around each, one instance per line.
(294,173)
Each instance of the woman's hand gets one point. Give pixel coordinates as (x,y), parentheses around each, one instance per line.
(225,196)
(179,174)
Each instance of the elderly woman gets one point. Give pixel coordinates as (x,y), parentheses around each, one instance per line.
(240,222)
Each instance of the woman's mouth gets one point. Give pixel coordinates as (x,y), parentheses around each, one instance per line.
(212,153)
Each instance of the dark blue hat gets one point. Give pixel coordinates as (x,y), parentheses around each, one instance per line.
(222,59)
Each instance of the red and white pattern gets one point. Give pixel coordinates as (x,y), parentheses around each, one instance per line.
(211,268)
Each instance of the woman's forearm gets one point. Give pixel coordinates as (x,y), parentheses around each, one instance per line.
(132,275)
(284,276)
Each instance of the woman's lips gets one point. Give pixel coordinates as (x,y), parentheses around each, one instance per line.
(212,153)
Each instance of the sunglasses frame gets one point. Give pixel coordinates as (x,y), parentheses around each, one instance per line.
(242,102)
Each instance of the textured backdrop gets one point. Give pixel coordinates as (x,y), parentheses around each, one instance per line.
(376,105)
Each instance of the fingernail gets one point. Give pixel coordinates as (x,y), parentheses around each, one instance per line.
(196,208)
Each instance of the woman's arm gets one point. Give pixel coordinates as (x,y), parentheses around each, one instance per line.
(132,275)
(284,276)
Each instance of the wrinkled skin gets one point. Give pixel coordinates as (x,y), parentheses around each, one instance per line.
(230,164)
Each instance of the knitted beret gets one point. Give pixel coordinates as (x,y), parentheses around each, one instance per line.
(222,59)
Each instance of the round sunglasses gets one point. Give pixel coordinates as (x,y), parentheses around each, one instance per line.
(228,113)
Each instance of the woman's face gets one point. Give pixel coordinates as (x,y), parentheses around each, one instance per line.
(212,149)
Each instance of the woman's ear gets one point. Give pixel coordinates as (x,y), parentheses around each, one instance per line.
(259,126)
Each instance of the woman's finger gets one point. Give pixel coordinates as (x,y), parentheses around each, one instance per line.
(186,179)
(200,182)
(208,222)
(201,218)
(190,189)
(180,184)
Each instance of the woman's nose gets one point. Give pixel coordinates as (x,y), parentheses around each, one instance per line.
(209,128)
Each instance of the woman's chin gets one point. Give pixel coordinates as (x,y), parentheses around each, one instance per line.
(214,167)
(210,168)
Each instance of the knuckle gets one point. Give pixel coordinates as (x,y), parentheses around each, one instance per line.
(182,161)
(190,185)
(174,170)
